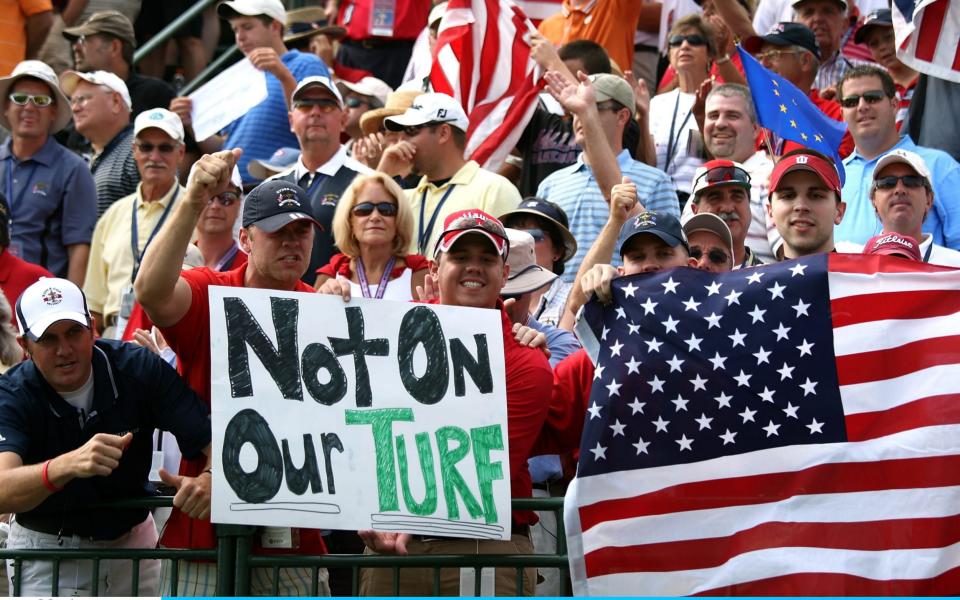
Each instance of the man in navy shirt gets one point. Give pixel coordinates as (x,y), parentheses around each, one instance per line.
(76,425)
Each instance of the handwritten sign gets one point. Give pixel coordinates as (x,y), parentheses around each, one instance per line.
(368,415)
(226,98)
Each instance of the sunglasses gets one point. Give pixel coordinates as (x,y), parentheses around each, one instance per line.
(365,209)
(853,100)
(325,105)
(225,199)
(695,39)
(39,100)
(354,102)
(714,255)
(538,234)
(147,147)
(413,130)
(889,182)
(719,175)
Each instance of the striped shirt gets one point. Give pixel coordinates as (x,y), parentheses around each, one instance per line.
(575,189)
(115,171)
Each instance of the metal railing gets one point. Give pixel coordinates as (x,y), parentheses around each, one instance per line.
(235,559)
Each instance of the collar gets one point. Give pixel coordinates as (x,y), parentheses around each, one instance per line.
(585,8)
(47,155)
(328,168)
(462,177)
(164,200)
(623,159)
(105,390)
(925,242)
(115,141)
(902,142)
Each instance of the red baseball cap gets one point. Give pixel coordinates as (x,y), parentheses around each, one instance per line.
(893,244)
(474,221)
(802,161)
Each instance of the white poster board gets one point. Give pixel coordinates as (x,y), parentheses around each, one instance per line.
(368,415)
(226,98)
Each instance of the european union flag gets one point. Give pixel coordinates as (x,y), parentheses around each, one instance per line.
(786,111)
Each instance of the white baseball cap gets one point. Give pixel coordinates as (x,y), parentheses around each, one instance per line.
(48,300)
(41,71)
(162,119)
(370,86)
(525,274)
(911,159)
(430,108)
(251,8)
(70,79)
(321,81)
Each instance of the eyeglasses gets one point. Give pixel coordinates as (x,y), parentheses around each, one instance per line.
(889,182)
(354,102)
(325,105)
(773,54)
(695,39)
(225,199)
(365,209)
(147,147)
(413,130)
(718,175)
(714,255)
(39,100)
(81,100)
(853,100)
(612,105)
(538,234)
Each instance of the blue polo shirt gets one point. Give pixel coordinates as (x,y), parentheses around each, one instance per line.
(53,203)
(266,127)
(575,189)
(133,391)
(860,221)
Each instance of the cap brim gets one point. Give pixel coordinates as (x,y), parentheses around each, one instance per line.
(406,119)
(528,281)
(447,241)
(371,120)
(569,242)
(668,239)
(40,326)
(262,169)
(865,28)
(276,222)
(334,31)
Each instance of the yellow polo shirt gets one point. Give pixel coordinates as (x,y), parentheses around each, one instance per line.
(473,187)
(111,258)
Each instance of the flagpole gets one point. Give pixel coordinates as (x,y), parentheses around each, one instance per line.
(769,142)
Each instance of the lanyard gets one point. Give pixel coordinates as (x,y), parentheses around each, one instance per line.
(384,279)
(134,230)
(673,142)
(228,257)
(926,255)
(424,234)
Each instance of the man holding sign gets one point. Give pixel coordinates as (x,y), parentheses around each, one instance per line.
(277,235)
(469,269)
(76,429)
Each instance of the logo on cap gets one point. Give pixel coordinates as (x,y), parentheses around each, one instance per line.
(441,113)
(778,28)
(645,218)
(52,296)
(156,116)
(802,160)
(287,196)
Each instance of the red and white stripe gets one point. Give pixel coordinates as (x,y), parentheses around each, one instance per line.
(538,10)
(876,515)
(483,60)
(930,43)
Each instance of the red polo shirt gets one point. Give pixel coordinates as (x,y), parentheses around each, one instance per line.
(190,339)
(409,18)
(17,275)
(572,381)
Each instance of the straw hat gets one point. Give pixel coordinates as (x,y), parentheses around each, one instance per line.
(308,22)
(397,103)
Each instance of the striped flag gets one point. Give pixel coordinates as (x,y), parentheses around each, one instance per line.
(928,36)
(538,10)
(483,60)
(792,429)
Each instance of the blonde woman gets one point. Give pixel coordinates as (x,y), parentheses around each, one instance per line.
(372,227)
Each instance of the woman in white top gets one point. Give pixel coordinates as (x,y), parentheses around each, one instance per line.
(372,228)
(673,124)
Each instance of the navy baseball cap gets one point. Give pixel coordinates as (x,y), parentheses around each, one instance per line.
(877,18)
(785,33)
(550,211)
(274,203)
(664,226)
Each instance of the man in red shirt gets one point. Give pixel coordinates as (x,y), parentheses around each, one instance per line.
(277,236)
(469,269)
(790,50)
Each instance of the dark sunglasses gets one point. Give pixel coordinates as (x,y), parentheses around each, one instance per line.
(718,175)
(413,130)
(365,209)
(889,182)
(715,255)
(147,147)
(538,234)
(695,39)
(225,199)
(39,100)
(853,100)
(324,104)
(354,102)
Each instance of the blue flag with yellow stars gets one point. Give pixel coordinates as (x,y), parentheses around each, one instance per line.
(786,111)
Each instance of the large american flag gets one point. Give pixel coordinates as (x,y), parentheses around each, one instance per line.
(483,60)
(789,429)
(928,36)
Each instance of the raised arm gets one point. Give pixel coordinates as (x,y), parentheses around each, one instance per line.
(166,297)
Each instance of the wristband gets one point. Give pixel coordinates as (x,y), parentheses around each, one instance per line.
(46,478)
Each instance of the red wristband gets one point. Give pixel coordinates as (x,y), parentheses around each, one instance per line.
(46,478)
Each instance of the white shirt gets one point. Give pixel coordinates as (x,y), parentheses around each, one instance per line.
(672,112)
(939,255)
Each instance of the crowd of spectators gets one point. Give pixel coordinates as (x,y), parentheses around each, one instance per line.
(351,178)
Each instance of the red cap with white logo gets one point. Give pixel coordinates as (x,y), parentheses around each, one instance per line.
(806,162)
(474,221)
